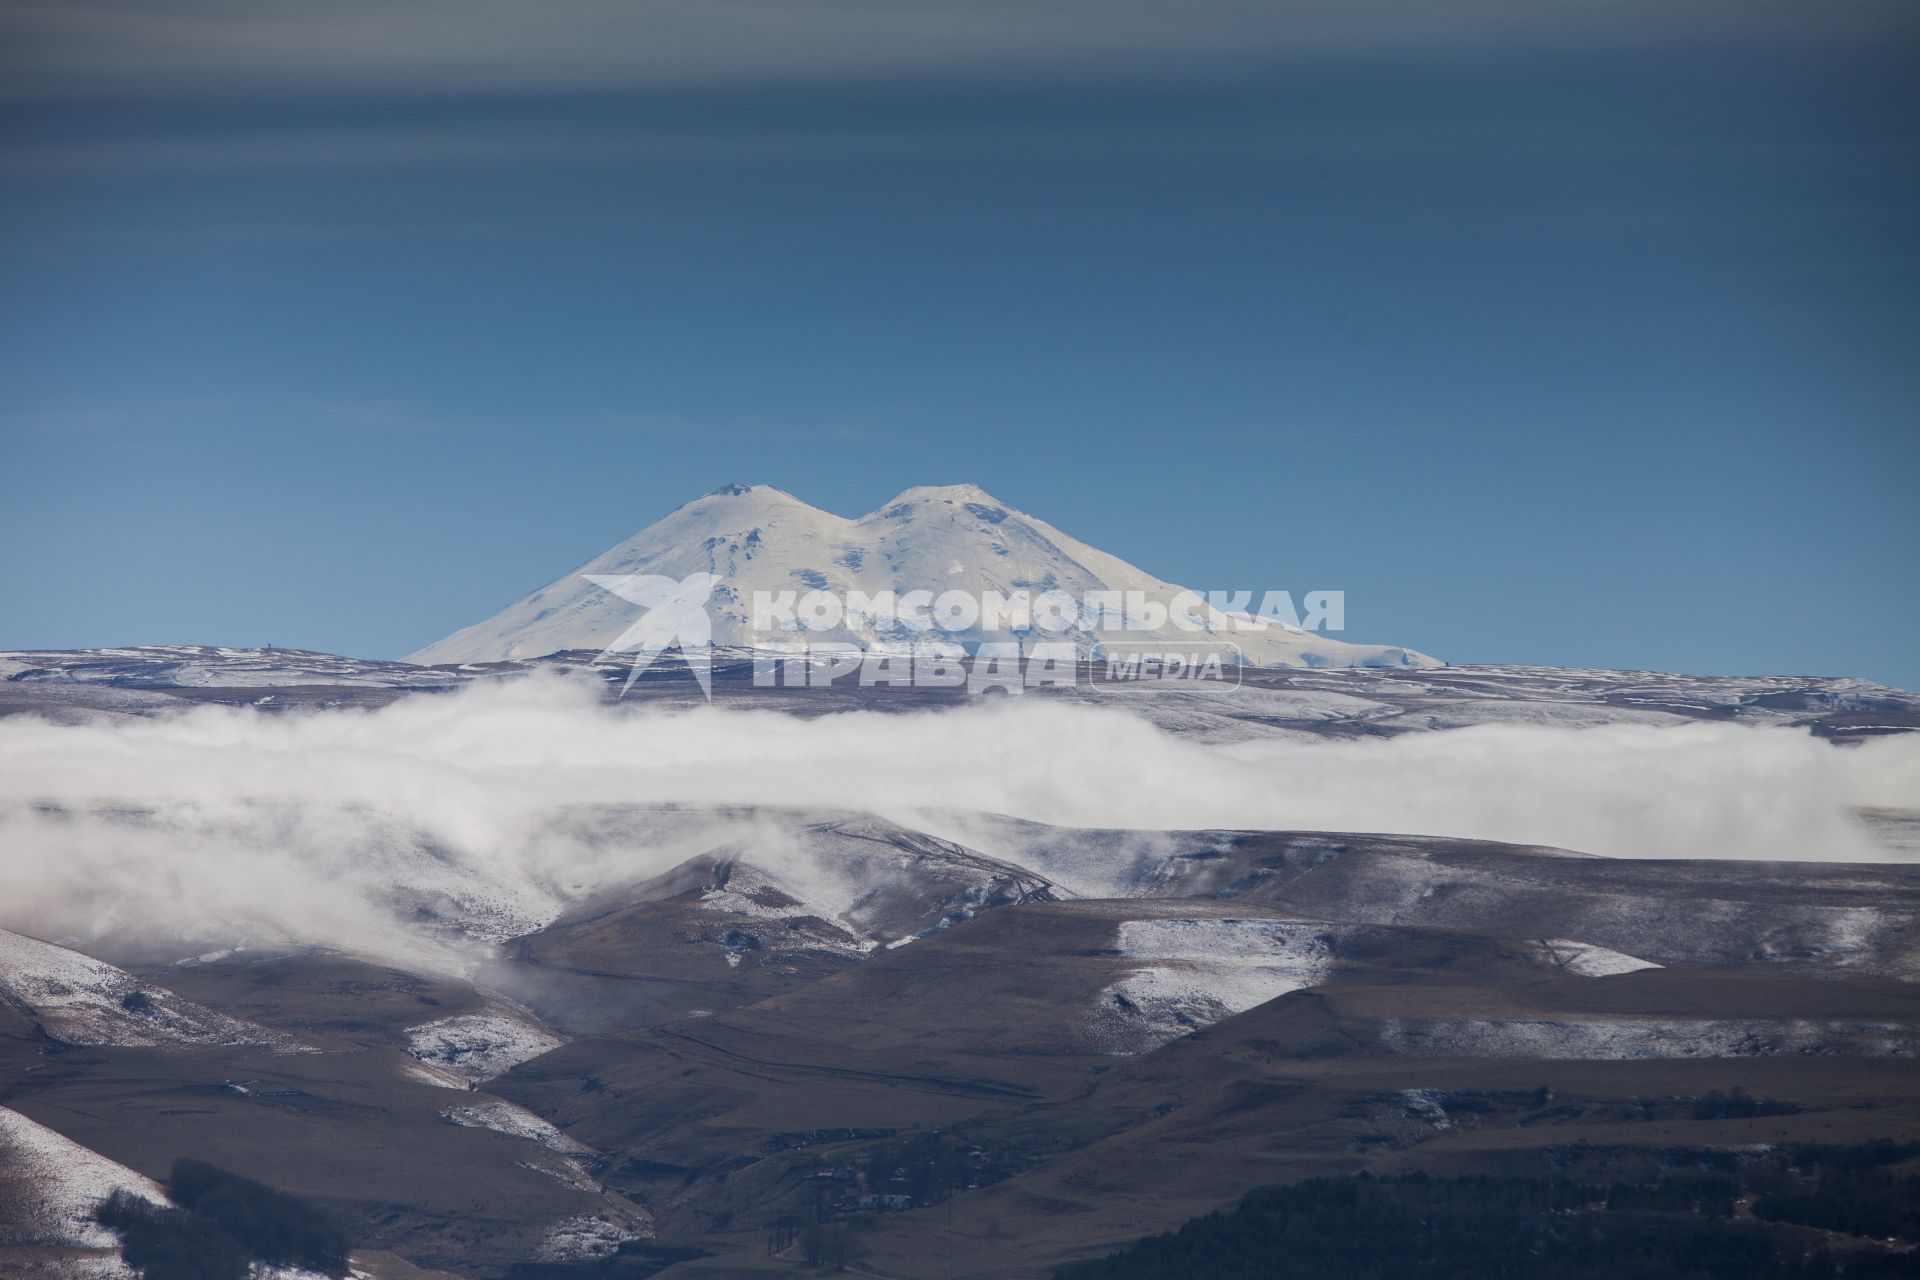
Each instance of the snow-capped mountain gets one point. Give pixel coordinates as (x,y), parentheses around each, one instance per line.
(756,538)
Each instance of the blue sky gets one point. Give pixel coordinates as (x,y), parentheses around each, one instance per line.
(1584,334)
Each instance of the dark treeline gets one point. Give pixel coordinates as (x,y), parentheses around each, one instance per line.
(219,1225)
(634,1260)
(165,1243)
(1487,1228)
(275,1227)
(1740,1105)
(1851,1191)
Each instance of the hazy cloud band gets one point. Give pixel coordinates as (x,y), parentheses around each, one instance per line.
(269,824)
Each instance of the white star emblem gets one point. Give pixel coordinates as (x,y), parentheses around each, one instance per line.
(676,614)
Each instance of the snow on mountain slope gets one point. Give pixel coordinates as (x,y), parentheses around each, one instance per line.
(886,883)
(1193,973)
(480,1046)
(79,1000)
(50,1186)
(514,1121)
(881,883)
(1589,961)
(1601,1039)
(953,538)
(561,1156)
(214,667)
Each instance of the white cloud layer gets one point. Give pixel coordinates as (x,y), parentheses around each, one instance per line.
(324,826)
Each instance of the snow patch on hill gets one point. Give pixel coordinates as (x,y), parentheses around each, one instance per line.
(876,881)
(1200,971)
(1588,960)
(50,1186)
(427,1073)
(79,1000)
(1626,1038)
(479,1046)
(585,1238)
(746,890)
(517,1122)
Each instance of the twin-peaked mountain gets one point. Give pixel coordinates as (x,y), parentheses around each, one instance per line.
(956,538)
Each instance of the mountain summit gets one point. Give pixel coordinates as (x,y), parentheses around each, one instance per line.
(757,538)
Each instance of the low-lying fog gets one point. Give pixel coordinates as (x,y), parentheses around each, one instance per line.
(219,822)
